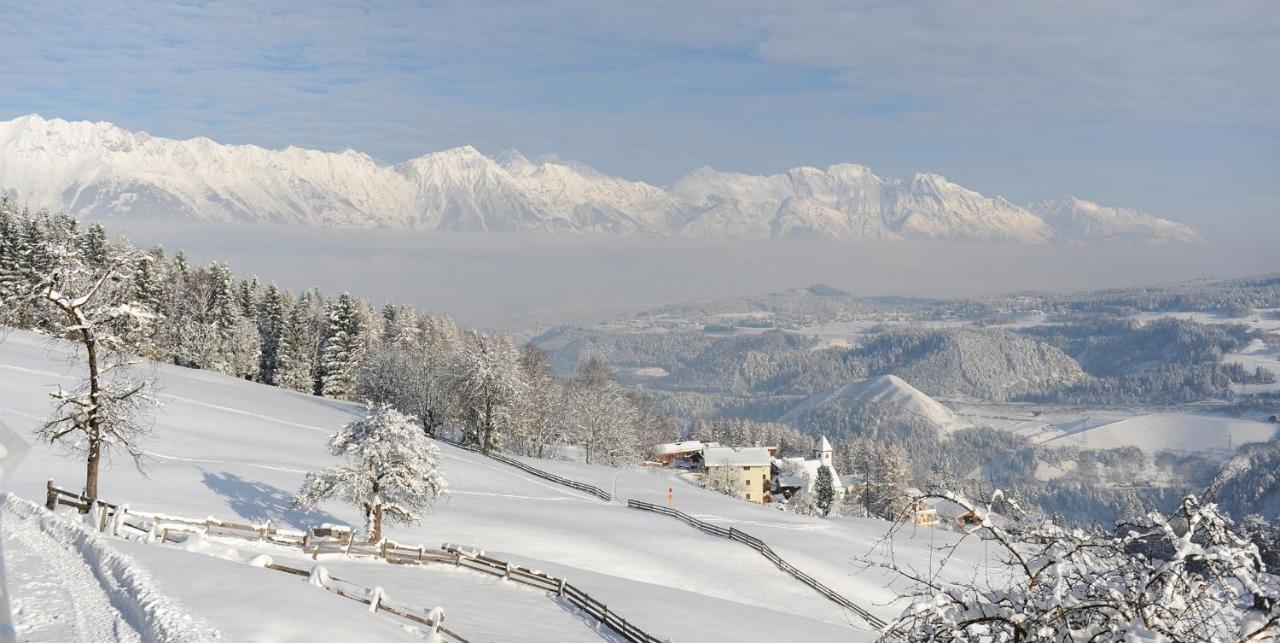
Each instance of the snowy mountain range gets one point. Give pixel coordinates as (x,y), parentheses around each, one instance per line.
(99,170)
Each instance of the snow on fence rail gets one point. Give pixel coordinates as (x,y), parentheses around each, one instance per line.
(341,543)
(580,486)
(111,518)
(767,552)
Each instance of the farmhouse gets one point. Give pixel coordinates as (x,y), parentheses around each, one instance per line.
(752,465)
(685,453)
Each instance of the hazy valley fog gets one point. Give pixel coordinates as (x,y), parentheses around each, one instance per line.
(525,282)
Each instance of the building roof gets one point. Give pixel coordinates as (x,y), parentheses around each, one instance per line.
(731,457)
(823,445)
(686,446)
(805,473)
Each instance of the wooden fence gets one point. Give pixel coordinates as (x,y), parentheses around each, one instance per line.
(113,516)
(168,527)
(767,552)
(574,484)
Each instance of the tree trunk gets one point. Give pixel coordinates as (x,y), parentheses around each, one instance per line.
(373,512)
(91,473)
(375,534)
(95,419)
(429,423)
(488,425)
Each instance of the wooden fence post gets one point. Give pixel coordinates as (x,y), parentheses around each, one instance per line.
(51,496)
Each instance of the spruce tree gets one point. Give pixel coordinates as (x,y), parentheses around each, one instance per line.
(224,310)
(343,348)
(825,489)
(93,245)
(294,355)
(271,327)
(249,297)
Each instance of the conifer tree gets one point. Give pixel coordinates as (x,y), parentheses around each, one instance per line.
(293,368)
(271,327)
(248,297)
(93,245)
(343,349)
(824,489)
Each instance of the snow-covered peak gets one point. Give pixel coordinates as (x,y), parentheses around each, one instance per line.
(1078,219)
(34,132)
(101,170)
(516,163)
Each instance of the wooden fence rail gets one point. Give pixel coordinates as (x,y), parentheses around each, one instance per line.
(546,475)
(760,546)
(395,553)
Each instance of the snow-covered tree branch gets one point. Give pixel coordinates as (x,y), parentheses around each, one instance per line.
(1187,576)
(80,287)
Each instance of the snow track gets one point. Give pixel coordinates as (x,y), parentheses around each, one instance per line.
(70,586)
(256,416)
(268,467)
(58,598)
(512,471)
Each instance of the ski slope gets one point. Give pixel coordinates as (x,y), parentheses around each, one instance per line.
(237,450)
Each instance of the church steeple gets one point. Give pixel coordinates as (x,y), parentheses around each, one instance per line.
(822,451)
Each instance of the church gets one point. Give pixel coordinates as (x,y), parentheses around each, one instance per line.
(792,475)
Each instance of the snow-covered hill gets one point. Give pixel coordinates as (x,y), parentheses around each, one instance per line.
(100,170)
(888,391)
(238,450)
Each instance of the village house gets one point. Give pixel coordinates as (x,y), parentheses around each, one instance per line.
(751,464)
(924,511)
(686,453)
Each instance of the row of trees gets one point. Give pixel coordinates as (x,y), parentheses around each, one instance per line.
(746,433)
(119,303)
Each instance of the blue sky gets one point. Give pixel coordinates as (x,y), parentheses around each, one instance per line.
(1168,105)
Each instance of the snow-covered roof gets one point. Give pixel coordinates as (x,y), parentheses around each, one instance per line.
(686,446)
(806,473)
(786,480)
(823,445)
(743,457)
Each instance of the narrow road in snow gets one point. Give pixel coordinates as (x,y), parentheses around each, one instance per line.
(55,596)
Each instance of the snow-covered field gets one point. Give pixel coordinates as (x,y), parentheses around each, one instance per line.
(1173,432)
(238,450)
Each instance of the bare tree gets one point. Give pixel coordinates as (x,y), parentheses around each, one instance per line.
(600,417)
(486,383)
(87,298)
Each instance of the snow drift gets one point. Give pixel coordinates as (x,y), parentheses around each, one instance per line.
(140,604)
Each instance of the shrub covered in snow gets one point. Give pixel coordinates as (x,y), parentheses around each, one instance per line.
(1187,576)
